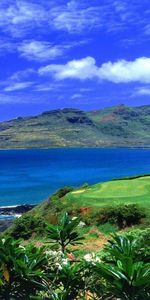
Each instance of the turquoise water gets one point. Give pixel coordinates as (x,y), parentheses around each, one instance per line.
(30,176)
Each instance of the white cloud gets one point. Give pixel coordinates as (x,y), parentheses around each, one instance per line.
(17,86)
(48,87)
(143,91)
(6,46)
(121,71)
(79,69)
(126,71)
(76,96)
(21,75)
(20,17)
(43,50)
(75,17)
(39,50)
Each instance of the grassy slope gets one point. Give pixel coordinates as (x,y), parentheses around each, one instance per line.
(111,193)
(113,126)
(135,191)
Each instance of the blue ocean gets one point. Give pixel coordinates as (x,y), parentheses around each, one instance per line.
(30,176)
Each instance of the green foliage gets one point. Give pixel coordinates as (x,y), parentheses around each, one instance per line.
(127,276)
(64,234)
(122,216)
(72,278)
(43,274)
(20,270)
(62,192)
(28,225)
(143,236)
(107,228)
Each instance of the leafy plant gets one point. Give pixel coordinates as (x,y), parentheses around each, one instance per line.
(28,225)
(65,233)
(122,216)
(21,270)
(126,277)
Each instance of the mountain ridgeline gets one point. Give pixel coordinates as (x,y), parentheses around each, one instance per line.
(110,127)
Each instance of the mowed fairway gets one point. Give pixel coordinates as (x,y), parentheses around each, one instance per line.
(127,191)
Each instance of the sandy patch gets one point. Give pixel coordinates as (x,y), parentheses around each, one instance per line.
(144,178)
(78,192)
(93,244)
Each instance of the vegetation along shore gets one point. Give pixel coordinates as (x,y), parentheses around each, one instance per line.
(91,242)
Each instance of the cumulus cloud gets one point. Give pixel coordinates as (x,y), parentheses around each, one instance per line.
(126,71)
(121,71)
(79,69)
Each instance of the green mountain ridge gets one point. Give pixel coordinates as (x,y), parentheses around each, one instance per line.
(69,127)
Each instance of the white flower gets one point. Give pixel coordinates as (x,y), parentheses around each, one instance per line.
(88,257)
(81,224)
(59,266)
(91,257)
(65,261)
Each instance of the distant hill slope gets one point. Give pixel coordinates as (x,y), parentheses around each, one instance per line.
(113,126)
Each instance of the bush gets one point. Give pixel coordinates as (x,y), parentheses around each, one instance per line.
(144,239)
(21,270)
(122,216)
(26,226)
(30,272)
(62,192)
(127,275)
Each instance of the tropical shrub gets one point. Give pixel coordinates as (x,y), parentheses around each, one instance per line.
(120,273)
(28,225)
(143,237)
(21,270)
(122,216)
(126,275)
(64,233)
(62,192)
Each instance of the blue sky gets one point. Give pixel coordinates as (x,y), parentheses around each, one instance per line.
(84,54)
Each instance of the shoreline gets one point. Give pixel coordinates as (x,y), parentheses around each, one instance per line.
(15,209)
(9,213)
(144,147)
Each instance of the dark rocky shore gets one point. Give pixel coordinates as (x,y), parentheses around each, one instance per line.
(9,213)
(18,209)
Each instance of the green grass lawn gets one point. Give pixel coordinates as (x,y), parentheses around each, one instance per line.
(111,193)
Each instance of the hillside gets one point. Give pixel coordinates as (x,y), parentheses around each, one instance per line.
(130,190)
(114,126)
(103,205)
(93,198)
